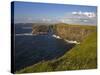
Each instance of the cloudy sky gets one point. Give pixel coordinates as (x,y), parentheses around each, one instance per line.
(26,12)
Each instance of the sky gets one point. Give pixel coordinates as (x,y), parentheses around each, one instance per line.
(30,12)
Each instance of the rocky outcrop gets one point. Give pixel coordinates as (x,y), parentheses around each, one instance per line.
(73,32)
(65,31)
(40,29)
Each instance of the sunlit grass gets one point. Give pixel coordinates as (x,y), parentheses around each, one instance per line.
(82,56)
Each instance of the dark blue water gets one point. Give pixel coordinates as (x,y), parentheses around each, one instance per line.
(32,49)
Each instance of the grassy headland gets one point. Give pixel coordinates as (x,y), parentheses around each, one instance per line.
(73,32)
(82,56)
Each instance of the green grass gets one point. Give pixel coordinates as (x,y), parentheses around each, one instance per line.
(73,32)
(82,56)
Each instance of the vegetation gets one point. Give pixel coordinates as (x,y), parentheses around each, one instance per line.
(73,32)
(38,29)
(82,56)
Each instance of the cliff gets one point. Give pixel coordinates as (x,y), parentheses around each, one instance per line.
(73,32)
(40,29)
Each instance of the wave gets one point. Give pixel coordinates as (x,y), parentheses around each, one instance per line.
(58,37)
(25,34)
(68,41)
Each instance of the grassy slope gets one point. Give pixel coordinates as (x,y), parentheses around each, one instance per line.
(73,32)
(82,56)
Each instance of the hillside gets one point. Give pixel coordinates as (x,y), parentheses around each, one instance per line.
(40,29)
(82,56)
(73,32)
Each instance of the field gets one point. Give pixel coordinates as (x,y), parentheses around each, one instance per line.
(81,56)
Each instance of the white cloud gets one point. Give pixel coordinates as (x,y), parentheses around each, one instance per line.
(87,18)
(74,13)
(85,14)
(90,14)
(43,19)
(29,18)
(62,20)
(46,20)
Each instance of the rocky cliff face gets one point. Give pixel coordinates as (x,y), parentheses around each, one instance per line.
(40,29)
(65,31)
(73,32)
